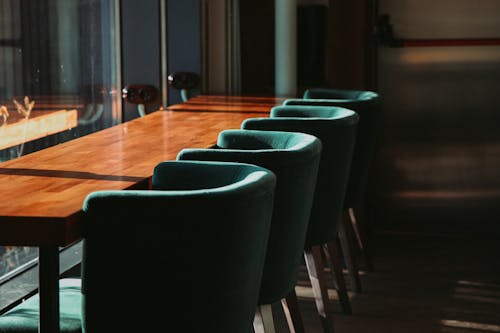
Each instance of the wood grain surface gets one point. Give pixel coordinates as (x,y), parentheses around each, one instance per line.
(42,192)
(228,104)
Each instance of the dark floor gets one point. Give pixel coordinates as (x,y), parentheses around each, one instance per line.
(422,282)
(435,194)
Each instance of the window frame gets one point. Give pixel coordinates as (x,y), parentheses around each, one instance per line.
(24,282)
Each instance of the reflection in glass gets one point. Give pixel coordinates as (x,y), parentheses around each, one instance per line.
(59,79)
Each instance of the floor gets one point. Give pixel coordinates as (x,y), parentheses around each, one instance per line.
(422,282)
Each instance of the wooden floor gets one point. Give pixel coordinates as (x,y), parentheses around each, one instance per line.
(422,282)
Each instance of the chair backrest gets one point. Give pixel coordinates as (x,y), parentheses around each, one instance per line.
(187,82)
(368,105)
(336,128)
(189,253)
(294,158)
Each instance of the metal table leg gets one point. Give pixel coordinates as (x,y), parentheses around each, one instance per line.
(48,289)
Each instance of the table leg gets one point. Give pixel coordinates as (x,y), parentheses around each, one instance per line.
(48,289)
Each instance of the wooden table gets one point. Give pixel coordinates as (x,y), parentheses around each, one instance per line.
(43,192)
(221,103)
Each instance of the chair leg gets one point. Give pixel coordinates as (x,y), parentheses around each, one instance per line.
(316,271)
(345,237)
(361,240)
(333,250)
(291,309)
(263,321)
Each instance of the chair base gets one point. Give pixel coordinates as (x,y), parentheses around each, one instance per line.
(316,270)
(264,321)
(361,240)
(346,242)
(332,250)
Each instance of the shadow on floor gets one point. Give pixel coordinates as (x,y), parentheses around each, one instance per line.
(421,283)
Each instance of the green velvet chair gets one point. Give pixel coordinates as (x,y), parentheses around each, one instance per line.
(186,256)
(368,106)
(336,128)
(294,158)
(23,318)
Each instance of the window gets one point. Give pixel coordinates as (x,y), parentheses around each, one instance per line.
(71,58)
(59,80)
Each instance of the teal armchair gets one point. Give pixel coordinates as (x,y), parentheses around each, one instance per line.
(144,251)
(368,105)
(336,128)
(294,159)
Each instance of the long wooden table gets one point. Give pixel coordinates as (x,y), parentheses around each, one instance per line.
(222,103)
(43,192)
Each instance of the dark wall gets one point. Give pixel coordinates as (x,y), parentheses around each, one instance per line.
(438,165)
(312,25)
(349,45)
(331,41)
(257,47)
(36,42)
(140,44)
(184,40)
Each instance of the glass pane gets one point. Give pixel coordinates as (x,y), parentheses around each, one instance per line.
(59,79)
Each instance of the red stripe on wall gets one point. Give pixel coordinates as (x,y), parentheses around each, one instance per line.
(450,42)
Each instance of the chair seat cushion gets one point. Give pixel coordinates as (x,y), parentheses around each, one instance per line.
(23,318)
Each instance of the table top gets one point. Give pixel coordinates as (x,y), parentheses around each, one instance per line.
(42,192)
(222,103)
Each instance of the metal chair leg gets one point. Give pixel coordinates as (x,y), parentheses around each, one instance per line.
(346,240)
(263,321)
(291,309)
(361,240)
(332,249)
(316,271)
